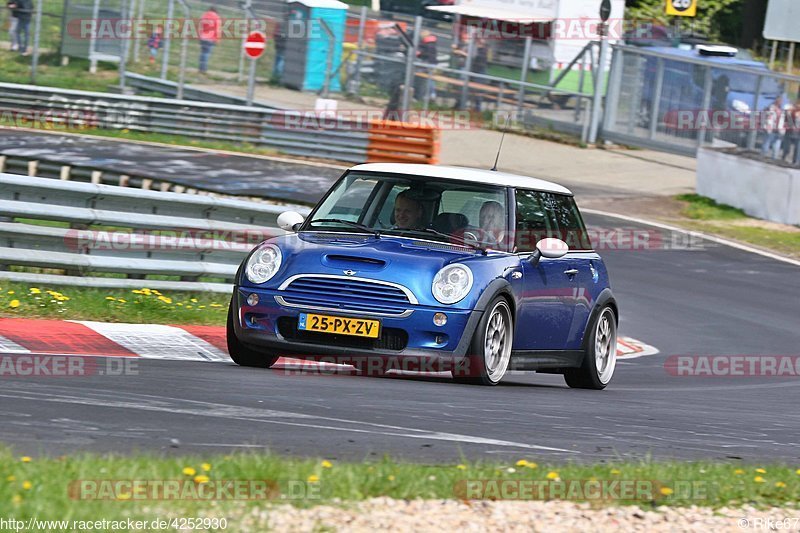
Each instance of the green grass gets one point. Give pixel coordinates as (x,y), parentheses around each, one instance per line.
(708,216)
(22,300)
(17,69)
(702,208)
(39,487)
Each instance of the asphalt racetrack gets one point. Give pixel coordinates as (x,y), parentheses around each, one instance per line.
(706,300)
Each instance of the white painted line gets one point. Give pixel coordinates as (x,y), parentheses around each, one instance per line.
(158,342)
(9,346)
(628,348)
(700,234)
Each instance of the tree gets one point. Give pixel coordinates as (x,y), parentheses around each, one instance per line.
(718,19)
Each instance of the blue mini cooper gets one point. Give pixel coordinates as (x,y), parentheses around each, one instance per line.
(473,271)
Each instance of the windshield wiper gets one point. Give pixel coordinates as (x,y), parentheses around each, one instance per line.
(348,223)
(461,240)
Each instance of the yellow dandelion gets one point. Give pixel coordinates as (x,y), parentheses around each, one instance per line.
(165,299)
(326,464)
(531,465)
(13,304)
(16,499)
(27,485)
(738,471)
(758,479)
(552,475)
(206,467)
(201,479)
(780,484)
(521,462)
(193,300)
(761,471)
(25,459)
(189,471)
(666,491)
(461,467)
(797,471)
(124,496)
(10,292)
(391,478)
(11,479)
(110,298)
(136,291)
(615,472)
(34,290)
(188,307)
(313,478)
(122,300)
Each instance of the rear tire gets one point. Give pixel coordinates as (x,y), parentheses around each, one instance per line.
(243,355)
(490,351)
(600,354)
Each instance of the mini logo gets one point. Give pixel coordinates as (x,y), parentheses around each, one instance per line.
(350,272)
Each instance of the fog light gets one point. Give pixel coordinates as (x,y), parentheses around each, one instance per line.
(439,339)
(440,319)
(252,300)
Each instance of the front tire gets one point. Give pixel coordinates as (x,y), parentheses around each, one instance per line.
(491,347)
(600,354)
(241,354)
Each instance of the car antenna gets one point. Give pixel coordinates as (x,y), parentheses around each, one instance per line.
(500,148)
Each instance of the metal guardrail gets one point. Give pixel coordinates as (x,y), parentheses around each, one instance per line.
(105,229)
(290,132)
(169,89)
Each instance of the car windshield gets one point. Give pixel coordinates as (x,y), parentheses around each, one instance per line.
(420,207)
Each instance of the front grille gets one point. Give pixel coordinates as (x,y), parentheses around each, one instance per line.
(347,294)
(393,339)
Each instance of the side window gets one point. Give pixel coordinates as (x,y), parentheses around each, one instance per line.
(566,222)
(532,221)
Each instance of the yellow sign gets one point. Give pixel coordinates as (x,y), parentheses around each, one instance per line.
(682,8)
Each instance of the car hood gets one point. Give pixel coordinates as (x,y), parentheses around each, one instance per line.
(409,262)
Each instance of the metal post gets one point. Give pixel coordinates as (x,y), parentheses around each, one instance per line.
(656,103)
(614,87)
(526,63)
(329,57)
(123,52)
(184,50)
(790,59)
(37,33)
(139,18)
(709,80)
(362,24)
(581,80)
(251,82)
(411,56)
(242,54)
(463,104)
(93,38)
(167,38)
(602,29)
(773,54)
(753,133)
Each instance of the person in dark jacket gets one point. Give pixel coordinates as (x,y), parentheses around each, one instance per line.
(22,10)
(427,53)
(12,28)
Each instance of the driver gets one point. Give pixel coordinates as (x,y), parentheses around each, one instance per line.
(493,221)
(408,211)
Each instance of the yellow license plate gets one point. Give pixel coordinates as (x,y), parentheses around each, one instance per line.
(357,327)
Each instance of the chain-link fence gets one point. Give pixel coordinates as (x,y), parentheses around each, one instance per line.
(679,100)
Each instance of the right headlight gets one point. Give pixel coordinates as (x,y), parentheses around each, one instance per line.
(452,284)
(263,264)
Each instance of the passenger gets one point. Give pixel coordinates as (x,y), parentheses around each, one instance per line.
(408,212)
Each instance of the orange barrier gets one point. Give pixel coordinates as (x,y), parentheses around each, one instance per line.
(399,142)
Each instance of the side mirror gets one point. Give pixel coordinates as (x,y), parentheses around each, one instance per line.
(289,220)
(549,248)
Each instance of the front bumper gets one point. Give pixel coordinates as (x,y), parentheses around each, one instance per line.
(272,326)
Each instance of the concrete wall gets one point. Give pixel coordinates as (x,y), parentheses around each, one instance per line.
(761,190)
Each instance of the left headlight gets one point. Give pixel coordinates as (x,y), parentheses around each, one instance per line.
(452,284)
(263,264)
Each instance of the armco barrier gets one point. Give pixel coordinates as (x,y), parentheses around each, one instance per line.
(398,142)
(199,239)
(349,141)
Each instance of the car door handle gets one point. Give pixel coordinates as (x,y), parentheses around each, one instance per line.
(571,272)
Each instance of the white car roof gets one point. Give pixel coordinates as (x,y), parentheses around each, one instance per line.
(471,175)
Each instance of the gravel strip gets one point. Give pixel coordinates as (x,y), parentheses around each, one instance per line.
(512,516)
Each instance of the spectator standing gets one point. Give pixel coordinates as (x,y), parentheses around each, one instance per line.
(427,53)
(154,43)
(775,128)
(210,26)
(12,28)
(22,10)
(279,36)
(792,139)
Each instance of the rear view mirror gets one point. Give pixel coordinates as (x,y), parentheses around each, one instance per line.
(290,220)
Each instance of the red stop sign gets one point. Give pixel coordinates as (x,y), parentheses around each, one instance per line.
(255,45)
